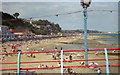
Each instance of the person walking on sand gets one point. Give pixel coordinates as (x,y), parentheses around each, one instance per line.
(70,57)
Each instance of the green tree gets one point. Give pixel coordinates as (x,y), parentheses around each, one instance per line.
(7,23)
(16,15)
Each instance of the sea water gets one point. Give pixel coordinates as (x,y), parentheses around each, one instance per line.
(111,40)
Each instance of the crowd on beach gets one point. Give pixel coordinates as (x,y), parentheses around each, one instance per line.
(16,46)
(12,47)
(56,56)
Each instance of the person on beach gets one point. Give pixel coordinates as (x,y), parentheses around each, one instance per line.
(39,66)
(27,48)
(13,48)
(99,71)
(55,48)
(70,57)
(61,48)
(65,70)
(53,55)
(58,54)
(82,63)
(69,70)
(46,66)
(66,59)
(42,65)
(59,65)
(5,50)
(93,65)
(34,56)
(96,53)
(113,51)
(31,55)
(73,72)
(42,49)
(3,58)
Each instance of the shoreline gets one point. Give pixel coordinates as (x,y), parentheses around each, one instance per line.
(92,43)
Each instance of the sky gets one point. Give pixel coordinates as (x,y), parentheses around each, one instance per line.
(97,20)
(57,0)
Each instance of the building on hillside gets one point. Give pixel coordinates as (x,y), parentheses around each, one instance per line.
(30,21)
(21,31)
(5,32)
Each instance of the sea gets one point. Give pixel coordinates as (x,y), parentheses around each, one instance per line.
(112,40)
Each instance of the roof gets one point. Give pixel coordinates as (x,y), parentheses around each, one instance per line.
(27,20)
(3,26)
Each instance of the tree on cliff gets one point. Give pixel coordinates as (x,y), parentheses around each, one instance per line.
(16,15)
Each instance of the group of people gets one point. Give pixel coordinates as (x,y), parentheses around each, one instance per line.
(69,71)
(42,65)
(16,44)
(56,55)
(31,55)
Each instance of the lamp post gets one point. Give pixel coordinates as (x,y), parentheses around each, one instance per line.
(85,4)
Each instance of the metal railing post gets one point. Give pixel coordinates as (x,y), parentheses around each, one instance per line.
(61,62)
(107,63)
(18,64)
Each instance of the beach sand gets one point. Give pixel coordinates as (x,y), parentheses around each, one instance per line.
(56,42)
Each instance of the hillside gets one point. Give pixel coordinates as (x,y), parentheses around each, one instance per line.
(38,27)
(11,22)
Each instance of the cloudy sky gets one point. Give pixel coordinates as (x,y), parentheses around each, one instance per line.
(57,0)
(97,20)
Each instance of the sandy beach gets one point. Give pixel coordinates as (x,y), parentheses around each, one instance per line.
(60,42)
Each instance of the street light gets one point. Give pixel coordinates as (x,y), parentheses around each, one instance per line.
(85,4)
